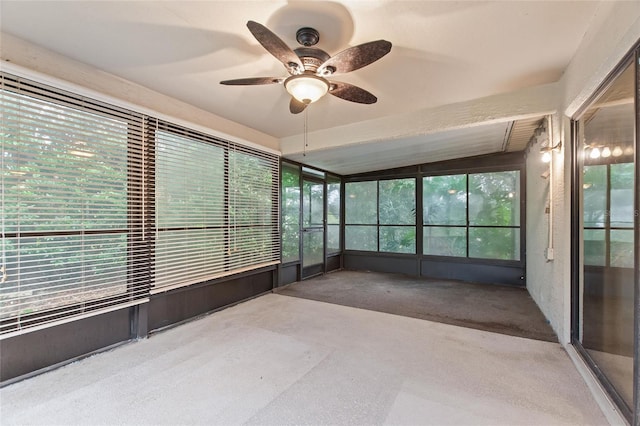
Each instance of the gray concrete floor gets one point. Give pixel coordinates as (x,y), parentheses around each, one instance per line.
(286,360)
(497,308)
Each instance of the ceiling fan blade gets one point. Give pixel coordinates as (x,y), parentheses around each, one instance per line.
(276,47)
(356,57)
(253,81)
(296,107)
(352,93)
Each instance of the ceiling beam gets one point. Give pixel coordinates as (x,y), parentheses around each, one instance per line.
(526,103)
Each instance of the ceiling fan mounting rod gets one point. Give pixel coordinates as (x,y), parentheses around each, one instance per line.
(307,36)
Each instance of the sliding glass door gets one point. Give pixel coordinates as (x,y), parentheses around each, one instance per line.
(605,236)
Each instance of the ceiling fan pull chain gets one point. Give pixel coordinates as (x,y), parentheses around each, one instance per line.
(306,132)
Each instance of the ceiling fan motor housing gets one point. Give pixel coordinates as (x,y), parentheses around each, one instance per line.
(311,57)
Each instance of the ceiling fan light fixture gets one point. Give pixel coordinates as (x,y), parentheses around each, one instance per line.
(306,88)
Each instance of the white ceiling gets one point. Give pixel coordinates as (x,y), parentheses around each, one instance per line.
(444,52)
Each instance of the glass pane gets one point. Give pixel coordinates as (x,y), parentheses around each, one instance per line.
(444,200)
(333,203)
(333,238)
(398,239)
(312,204)
(494,198)
(188,255)
(594,192)
(290,212)
(441,241)
(55,271)
(312,248)
(622,248)
(358,237)
(622,195)
(189,188)
(397,202)
(249,246)
(607,322)
(250,189)
(595,251)
(333,216)
(62,169)
(494,243)
(361,203)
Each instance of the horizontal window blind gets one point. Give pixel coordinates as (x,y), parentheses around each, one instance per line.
(253,208)
(101,206)
(72,203)
(216,207)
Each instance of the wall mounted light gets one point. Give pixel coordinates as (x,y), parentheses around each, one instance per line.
(548,150)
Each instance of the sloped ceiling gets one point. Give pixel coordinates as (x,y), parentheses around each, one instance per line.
(444,53)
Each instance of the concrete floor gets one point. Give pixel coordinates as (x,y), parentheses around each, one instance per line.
(497,308)
(286,360)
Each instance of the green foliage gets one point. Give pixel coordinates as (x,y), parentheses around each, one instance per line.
(361,205)
(494,199)
(397,203)
(444,200)
(398,239)
(70,178)
(63,170)
(290,212)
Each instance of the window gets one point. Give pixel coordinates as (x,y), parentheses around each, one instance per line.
(608,237)
(604,231)
(397,212)
(290,211)
(361,216)
(333,215)
(190,214)
(72,237)
(380,216)
(253,209)
(102,205)
(215,209)
(444,200)
(472,215)
(494,215)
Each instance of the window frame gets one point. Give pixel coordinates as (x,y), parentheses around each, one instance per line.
(522,216)
(378,224)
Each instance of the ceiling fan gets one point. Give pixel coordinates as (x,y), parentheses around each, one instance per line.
(310,67)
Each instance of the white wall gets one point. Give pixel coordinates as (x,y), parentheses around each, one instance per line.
(546,280)
(613,32)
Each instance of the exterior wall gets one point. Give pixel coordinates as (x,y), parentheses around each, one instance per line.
(545,272)
(40,350)
(613,32)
